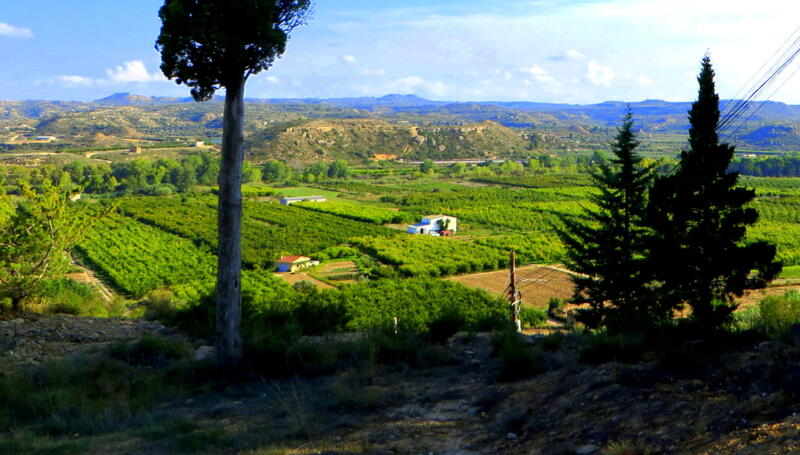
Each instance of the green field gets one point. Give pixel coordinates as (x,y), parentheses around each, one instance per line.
(131,249)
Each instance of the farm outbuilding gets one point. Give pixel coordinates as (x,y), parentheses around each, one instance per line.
(294,263)
(292,200)
(435,225)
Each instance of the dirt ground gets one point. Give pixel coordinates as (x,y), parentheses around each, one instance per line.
(293,278)
(540,283)
(537,283)
(741,403)
(339,272)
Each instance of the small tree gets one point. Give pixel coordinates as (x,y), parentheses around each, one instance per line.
(607,249)
(699,220)
(213,44)
(35,235)
(427,167)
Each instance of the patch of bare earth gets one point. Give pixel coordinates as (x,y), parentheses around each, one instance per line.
(339,272)
(537,283)
(293,278)
(33,338)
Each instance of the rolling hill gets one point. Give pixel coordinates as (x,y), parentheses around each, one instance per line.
(305,130)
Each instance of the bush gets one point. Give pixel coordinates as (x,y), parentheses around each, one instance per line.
(151,350)
(532,318)
(67,296)
(555,308)
(600,347)
(551,342)
(450,321)
(777,314)
(80,395)
(517,360)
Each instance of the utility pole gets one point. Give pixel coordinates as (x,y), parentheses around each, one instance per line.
(514,295)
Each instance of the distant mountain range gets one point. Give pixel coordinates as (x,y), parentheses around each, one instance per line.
(408,126)
(608,112)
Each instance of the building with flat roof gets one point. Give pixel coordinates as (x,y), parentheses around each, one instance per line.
(435,225)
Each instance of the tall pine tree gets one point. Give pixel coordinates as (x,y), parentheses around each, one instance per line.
(608,248)
(699,220)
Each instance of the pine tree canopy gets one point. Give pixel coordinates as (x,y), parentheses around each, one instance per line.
(699,218)
(608,248)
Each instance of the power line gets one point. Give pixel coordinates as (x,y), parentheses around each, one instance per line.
(735,111)
(741,105)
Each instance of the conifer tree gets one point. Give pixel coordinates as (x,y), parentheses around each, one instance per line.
(699,218)
(607,249)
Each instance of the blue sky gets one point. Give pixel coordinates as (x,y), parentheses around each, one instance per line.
(571,51)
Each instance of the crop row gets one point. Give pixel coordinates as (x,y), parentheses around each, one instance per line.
(423,255)
(358,211)
(137,258)
(268,230)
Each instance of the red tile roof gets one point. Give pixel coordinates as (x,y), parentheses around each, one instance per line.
(293,259)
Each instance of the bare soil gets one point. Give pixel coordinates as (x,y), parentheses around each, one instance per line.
(293,278)
(31,338)
(540,283)
(537,283)
(339,272)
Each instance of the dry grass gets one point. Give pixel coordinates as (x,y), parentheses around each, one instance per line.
(540,284)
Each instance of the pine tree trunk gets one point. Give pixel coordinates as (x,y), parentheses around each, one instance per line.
(16,303)
(229,265)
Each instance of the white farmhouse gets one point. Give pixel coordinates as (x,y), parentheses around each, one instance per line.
(435,225)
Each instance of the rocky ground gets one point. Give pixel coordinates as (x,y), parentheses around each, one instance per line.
(742,402)
(32,338)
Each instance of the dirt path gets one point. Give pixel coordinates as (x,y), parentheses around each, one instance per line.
(87,275)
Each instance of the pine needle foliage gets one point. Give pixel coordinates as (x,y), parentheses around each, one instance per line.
(607,247)
(699,218)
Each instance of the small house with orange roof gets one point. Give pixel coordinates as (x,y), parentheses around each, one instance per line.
(294,263)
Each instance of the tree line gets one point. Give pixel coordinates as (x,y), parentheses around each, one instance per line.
(659,243)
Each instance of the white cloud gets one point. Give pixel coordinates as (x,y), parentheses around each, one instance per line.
(644,81)
(133,71)
(540,74)
(16,32)
(598,74)
(372,72)
(569,54)
(536,70)
(272,80)
(74,81)
(349,59)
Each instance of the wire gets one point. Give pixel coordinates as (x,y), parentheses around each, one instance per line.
(732,115)
(742,104)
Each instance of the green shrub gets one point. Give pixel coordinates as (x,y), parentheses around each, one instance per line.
(151,350)
(517,360)
(67,296)
(532,318)
(683,356)
(449,321)
(551,342)
(777,314)
(555,308)
(600,347)
(80,395)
